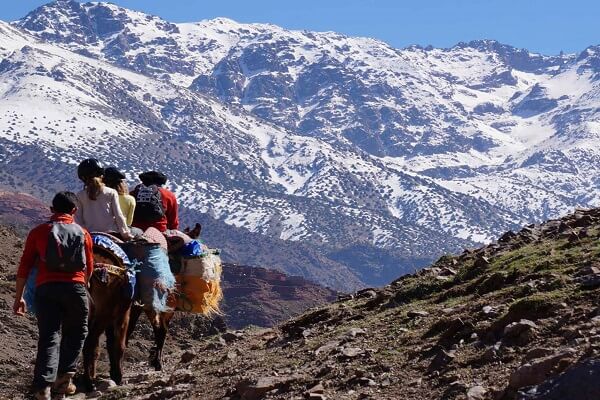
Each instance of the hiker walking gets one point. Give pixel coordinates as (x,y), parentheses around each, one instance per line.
(98,208)
(155,206)
(115,179)
(62,252)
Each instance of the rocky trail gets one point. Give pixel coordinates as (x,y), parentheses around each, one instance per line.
(517,319)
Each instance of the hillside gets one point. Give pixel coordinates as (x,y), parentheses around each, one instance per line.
(351,154)
(517,319)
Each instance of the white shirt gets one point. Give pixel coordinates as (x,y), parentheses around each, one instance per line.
(101,215)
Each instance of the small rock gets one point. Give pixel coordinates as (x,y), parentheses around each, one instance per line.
(415,382)
(537,352)
(488,310)
(352,352)
(354,332)
(104,385)
(248,390)
(366,293)
(417,314)
(230,337)
(441,359)
(448,271)
(318,388)
(327,347)
(182,376)
(187,356)
(476,393)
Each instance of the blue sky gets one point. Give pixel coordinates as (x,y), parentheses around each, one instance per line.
(545,26)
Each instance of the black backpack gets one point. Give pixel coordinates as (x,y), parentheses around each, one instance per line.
(65,251)
(148,204)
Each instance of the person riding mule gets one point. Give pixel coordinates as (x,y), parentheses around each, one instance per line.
(156,206)
(98,205)
(62,252)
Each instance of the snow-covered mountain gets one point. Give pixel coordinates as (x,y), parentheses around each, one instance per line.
(377,159)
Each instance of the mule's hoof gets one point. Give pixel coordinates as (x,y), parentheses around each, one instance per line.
(117,378)
(89,387)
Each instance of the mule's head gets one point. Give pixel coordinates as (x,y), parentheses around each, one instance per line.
(193,233)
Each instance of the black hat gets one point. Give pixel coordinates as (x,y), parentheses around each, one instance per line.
(113,176)
(153,178)
(89,168)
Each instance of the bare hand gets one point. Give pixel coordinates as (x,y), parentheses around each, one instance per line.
(19,307)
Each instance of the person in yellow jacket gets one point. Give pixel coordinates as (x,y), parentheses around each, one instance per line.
(116,179)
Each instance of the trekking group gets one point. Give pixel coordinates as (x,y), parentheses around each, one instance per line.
(60,252)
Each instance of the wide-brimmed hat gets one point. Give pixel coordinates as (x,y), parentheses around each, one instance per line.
(153,235)
(153,178)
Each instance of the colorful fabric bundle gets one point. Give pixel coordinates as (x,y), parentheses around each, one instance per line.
(199,284)
(107,250)
(155,281)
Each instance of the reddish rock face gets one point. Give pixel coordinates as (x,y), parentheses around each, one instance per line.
(262,297)
(22,210)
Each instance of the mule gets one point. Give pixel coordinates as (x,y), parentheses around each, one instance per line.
(110,309)
(160,320)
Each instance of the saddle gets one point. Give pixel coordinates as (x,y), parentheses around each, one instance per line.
(111,260)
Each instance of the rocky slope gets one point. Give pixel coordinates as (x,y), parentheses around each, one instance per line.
(355,154)
(518,319)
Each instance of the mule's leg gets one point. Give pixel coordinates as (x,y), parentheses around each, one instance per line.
(118,343)
(160,334)
(91,351)
(164,318)
(134,315)
(110,348)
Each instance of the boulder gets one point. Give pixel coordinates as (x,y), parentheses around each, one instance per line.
(581,382)
(537,371)
(442,359)
(519,333)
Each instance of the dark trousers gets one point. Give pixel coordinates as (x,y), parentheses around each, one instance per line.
(61,307)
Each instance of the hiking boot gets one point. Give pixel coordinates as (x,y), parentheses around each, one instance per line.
(42,394)
(64,384)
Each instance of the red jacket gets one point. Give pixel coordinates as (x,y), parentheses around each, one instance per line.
(171,218)
(35,249)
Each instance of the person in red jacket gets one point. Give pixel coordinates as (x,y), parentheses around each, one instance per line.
(155,206)
(62,252)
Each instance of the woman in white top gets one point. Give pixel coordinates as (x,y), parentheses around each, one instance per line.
(98,207)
